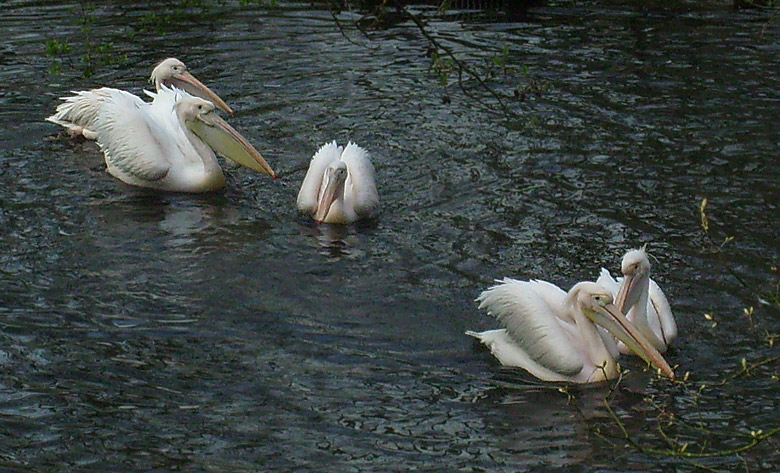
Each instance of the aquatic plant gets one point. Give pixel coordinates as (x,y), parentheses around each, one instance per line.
(56,49)
(90,53)
(87,49)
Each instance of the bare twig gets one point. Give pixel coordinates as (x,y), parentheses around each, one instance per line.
(463,67)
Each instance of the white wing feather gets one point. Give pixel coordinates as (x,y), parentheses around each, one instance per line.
(532,324)
(361,180)
(553,295)
(130,137)
(504,348)
(663,313)
(79,112)
(310,188)
(606,281)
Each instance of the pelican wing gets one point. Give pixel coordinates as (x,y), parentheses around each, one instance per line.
(606,281)
(131,138)
(660,314)
(361,180)
(309,194)
(80,111)
(553,296)
(533,325)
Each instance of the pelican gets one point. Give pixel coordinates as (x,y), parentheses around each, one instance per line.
(551,334)
(78,117)
(166,144)
(339,185)
(643,302)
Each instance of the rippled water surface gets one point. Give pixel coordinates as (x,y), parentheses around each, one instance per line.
(143,331)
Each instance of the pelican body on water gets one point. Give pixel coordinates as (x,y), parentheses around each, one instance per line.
(166,144)
(643,302)
(551,334)
(339,185)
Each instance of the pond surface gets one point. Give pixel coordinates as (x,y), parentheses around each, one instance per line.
(160,332)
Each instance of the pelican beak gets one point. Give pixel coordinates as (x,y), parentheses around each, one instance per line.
(610,317)
(627,288)
(228,142)
(188,82)
(327,197)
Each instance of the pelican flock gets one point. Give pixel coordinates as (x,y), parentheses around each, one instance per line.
(339,186)
(552,334)
(171,143)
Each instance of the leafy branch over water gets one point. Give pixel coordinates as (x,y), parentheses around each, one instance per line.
(483,80)
(490,78)
(768,297)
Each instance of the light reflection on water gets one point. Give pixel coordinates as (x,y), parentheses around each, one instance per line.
(225,332)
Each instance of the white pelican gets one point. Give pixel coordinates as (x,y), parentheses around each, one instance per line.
(339,185)
(649,309)
(166,144)
(551,334)
(78,116)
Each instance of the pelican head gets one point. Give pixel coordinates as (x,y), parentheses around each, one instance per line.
(173,73)
(597,304)
(332,188)
(198,114)
(636,277)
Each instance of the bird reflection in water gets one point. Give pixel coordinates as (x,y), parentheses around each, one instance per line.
(182,223)
(337,241)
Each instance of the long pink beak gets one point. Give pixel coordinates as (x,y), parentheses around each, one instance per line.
(186,81)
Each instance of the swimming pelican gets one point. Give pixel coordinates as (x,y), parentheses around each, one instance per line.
(166,144)
(339,185)
(78,116)
(649,309)
(551,334)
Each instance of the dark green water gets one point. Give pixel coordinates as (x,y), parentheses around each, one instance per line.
(224,333)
